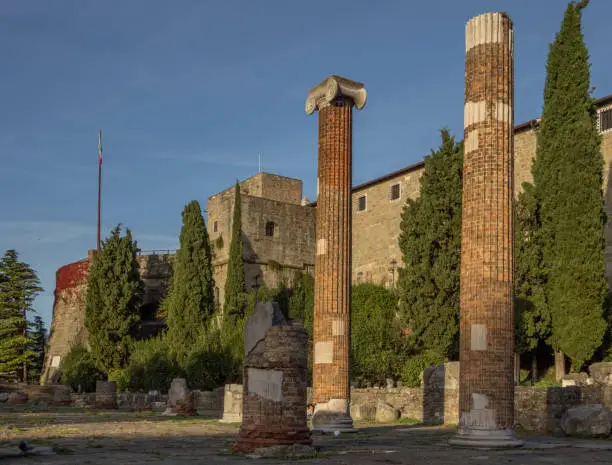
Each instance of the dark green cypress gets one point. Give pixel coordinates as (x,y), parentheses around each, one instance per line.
(114,293)
(567,173)
(430,242)
(190,300)
(235,291)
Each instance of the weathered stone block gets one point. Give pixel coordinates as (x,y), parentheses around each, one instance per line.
(386,413)
(588,421)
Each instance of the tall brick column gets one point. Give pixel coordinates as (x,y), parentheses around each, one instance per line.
(486,405)
(334,98)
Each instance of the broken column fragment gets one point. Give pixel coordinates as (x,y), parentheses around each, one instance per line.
(274,381)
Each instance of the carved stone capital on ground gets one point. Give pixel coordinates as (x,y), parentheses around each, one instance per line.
(336,89)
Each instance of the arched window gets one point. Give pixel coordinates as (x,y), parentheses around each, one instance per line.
(270,226)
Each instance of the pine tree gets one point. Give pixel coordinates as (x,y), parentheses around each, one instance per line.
(190,300)
(567,173)
(19,286)
(430,241)
(114,293)
(235,292)
(38,341)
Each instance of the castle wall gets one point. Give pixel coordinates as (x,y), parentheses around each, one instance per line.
(376,229)
(68,323)
(269,258)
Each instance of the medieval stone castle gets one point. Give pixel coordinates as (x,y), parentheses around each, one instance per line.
(279,235)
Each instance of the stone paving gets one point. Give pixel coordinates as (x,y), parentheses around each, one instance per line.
(117,438)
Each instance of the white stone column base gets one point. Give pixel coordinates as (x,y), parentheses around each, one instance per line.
(485,438)
(332,416)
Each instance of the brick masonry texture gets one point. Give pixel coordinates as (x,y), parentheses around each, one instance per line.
(331,331)
(487,323)
(276,414)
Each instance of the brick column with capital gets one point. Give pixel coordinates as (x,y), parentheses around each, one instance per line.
(333,98)
(486,386)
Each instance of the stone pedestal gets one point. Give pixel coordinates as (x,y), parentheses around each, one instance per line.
(274,382)
(232,404)
(106,395)
(486,405)
(180,400)
(334,99)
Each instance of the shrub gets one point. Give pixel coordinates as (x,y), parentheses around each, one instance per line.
(79,370)
(413,367)
(374,343)
(152,366)
(210,364)
(121,378)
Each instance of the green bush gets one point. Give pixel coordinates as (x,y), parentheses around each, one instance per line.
(120,376)
(152,366)
(78,370)
(414,365)
(210,364)
(374,334)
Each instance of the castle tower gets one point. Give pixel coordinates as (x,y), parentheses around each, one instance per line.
(486,405)
(334,98)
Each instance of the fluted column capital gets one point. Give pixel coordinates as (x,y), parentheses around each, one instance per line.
(336,88)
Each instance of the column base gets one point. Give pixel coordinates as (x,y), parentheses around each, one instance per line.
(332,416)
(485,438)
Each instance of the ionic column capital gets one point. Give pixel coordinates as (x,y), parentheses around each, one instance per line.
(336,88)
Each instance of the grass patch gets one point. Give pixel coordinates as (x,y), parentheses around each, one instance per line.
(408,421)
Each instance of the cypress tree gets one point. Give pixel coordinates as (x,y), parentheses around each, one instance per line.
(38,341)
(533,319)
(567,173)
(430,242)
(190,300)
(235,293)
(114,293)
(19,286)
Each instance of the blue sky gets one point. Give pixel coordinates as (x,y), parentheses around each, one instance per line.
(189,92)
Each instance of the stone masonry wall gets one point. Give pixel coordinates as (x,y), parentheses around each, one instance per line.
(289,249)
(68,323)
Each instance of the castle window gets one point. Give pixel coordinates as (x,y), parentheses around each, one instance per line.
(215,226)
(394,191)
(361,203)
(605,120)
(270,229)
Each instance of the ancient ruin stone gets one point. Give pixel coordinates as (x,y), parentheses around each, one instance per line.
(588,421)
(334,97)
(274,389)
(486,299)
(232,404)
(62,395)
(17,398)
(601,373)
(106,395)
(386,413)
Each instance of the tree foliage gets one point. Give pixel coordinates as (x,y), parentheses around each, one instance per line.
(114,293)
(19,286)
(567,176)
(190,301)
(79,370)
(374,334)
(430,242)
(37,334)
(533,319)
(235,291)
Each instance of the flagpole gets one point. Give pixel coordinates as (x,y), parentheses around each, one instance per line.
(99,184)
